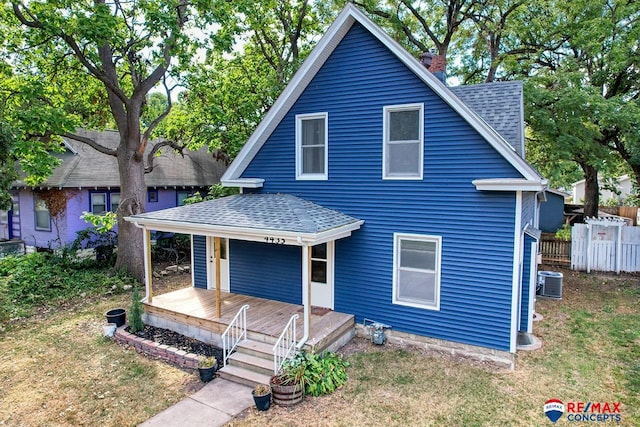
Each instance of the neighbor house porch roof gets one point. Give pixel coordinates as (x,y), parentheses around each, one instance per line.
(271,218)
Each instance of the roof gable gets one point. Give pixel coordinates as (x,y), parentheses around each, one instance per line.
(334,35)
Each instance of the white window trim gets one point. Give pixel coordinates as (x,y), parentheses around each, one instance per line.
(385,139)
(312,176)
(397,237)
(106,202)
(35,216)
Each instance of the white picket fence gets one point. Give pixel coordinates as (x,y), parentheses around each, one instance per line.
(605,247)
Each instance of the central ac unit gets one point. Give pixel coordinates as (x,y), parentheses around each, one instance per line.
(549,284)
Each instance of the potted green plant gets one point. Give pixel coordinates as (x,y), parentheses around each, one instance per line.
(287,386)
(207,368)
(262,396)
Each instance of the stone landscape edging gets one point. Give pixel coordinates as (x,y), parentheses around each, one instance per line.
(171,355)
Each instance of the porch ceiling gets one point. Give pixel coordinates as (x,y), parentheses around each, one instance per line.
(292,220)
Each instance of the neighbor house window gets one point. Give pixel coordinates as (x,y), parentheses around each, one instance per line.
(403,128)
(319,263)
(311,146)
(98,203)
(181,195)
(152,196)
(43,219)
(114,201)
(416,275)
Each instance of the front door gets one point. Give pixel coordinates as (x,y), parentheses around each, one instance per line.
(322,257)
(224,264)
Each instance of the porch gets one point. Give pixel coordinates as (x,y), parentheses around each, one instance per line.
(192,312)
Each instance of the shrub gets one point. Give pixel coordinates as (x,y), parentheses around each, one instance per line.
(41,278)
(318,373)
(135,312)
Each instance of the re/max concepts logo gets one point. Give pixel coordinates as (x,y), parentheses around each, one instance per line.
(600,412)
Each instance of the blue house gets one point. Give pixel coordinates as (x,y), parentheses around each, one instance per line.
(374,190)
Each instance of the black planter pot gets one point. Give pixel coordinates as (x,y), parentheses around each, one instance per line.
(207,374)
(117,316)
(262,402)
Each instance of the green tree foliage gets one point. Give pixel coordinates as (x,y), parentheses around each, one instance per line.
(93,64)
(229,94)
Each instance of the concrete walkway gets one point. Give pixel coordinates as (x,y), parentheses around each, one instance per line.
(214,405)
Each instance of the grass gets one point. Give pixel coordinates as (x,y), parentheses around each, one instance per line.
(57,369)
(591,352)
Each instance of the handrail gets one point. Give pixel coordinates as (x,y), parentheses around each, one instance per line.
(235,332)
(285,345)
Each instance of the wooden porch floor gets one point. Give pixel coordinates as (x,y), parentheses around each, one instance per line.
(197,308)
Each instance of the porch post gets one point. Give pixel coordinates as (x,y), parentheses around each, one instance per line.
(306,288)
(216,251)
(148,274)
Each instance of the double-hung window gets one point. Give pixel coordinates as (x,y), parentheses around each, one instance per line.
(403,128)
(98,203)
(311,146)
(43,219)
(416,275)
(114,201)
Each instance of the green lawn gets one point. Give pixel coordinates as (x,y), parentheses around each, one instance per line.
(591,352)
(56,369)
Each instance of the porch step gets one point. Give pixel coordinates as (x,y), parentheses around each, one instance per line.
(243,376)
(253,363)
(256,348)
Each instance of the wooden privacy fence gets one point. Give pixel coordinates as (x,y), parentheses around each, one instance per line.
(555,251)
(605,246)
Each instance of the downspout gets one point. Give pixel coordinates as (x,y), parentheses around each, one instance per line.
(306,291)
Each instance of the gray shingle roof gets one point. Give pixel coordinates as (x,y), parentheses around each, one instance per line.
(500,105)
(89,168)
(277,212)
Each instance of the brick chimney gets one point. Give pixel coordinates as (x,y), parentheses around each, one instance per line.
(437,64)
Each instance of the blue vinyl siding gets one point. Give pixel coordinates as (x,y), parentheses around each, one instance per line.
(528,258)
(354,85)
(528,208)
(199,261)
(266,271)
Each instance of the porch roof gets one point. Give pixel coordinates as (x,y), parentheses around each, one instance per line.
(254,217)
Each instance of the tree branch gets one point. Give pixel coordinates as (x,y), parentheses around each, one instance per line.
(152,154)
(91,143)
(157,120)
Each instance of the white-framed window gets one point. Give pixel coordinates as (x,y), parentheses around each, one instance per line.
(43,219)
(312,146)
(114,201)
(319,263)
(98,203)
(416,270)
(403,145)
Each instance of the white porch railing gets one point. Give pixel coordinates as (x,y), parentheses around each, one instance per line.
(235,332)
(286,344)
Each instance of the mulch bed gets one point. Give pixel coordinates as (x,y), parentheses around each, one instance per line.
(174,339)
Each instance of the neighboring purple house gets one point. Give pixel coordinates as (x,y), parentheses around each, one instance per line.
(89,180)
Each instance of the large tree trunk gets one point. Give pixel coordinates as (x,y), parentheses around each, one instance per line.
(591,190)
(132,201)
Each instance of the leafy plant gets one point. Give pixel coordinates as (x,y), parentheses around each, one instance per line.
(291,372)
(324,373)
(564,232)
(100,236)
(317,373)
(135,312)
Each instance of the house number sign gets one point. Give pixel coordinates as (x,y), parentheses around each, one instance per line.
(274,240)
